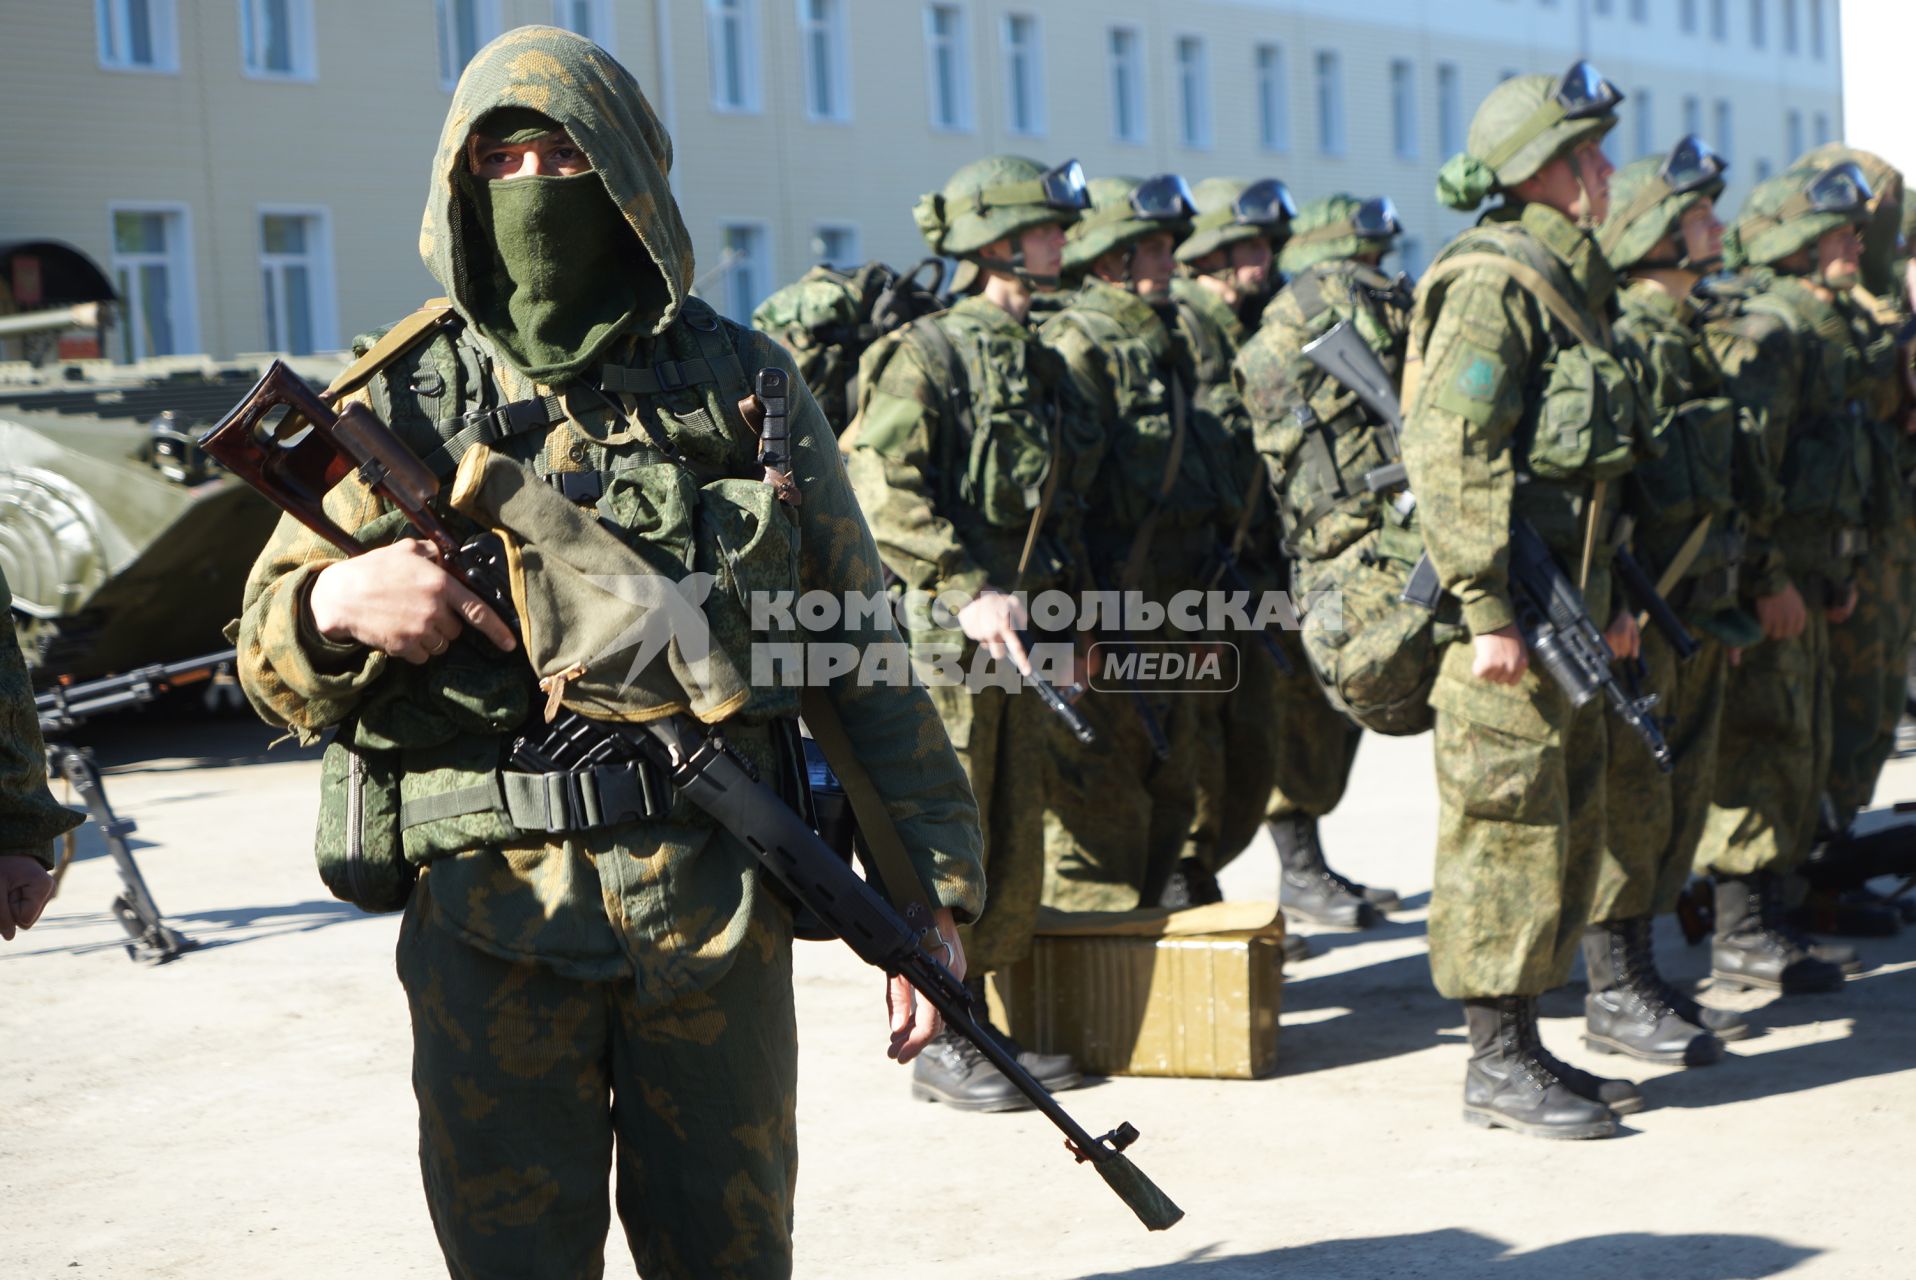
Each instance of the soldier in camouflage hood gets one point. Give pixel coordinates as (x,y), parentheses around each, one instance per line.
(1511,377)
(608,976)
(971,455)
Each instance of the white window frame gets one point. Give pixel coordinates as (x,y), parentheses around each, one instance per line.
(1693,114)
(1640,11)
(1452,126)
(964,117)
(301,40)
(751,97)
(1819,130)
(844,228)
(1793,133)
(319,262)
(1403,109)
(838,57)
(186,314)
(1759,24)
(1333,133)
(1689,19)
(1123,68)
(1720,21)
(1194,92)
(1815,24)
(1270,65)
(1792,29)
(115,50)
(1645,104)
(604,31)
(762,229)
(486,29)
(1032,53)
(1723,130)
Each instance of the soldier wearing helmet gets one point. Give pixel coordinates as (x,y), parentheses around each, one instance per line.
(1517,408)
(969,454)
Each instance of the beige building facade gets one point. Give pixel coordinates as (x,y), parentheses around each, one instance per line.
(252,171)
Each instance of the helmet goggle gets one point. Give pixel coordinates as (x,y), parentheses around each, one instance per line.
(1165,198)
(1264,203)
(1691,166)
(1376,219)
(1840,188)
(1062,188)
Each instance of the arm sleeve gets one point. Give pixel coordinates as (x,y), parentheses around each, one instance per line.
(892,723)
(1457,439)
(30,818)
(891,468)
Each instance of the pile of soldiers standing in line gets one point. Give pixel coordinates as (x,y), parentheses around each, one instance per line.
(1120,399)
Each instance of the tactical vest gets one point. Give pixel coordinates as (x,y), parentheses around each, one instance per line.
(828,318)
(1213,336)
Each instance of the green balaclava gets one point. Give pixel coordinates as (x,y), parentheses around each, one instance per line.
(1116,220)
(1648,198)
(995,199)
(552,269)
(1328,230)
(1883,233)
(1524,124)
(1232,210)
(1782,217)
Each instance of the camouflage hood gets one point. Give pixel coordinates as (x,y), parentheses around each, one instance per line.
(597,102)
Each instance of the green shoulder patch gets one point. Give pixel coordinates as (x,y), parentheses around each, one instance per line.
(1478,381)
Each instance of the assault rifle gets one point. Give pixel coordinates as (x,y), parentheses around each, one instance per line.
(291,445)
(1551,614)
(65,708)
(1231,574)
(1049,694)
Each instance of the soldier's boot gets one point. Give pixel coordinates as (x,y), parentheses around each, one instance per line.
(1625,1011)
(953,1071)
(1055,1071)
(1724,1024)
(1749,952)
(1308,888)
(1191,884)
(1510,1084)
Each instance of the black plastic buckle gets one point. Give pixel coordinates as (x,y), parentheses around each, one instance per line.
(669,376)
(578,486)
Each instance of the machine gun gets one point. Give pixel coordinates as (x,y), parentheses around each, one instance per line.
(65,708)
(291,445)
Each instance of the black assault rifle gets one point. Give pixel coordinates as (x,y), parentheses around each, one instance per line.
(64,708)
(292,446)
(1551,614)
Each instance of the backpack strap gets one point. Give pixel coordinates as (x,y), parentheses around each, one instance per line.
(434,316)
(1533,280)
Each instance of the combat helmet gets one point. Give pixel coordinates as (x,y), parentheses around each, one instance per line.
(1124,211)
(1886,212)
(1524,124)
(1794,210)
(1339,226)
(997,198)
(1648,197)
(1232,210)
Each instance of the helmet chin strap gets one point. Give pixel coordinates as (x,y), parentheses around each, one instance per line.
(1015,266)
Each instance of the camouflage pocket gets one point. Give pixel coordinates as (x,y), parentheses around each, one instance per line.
(1692,477)
(748,541)
(459,775)
(356,841)
(1376,655)
(1585,428)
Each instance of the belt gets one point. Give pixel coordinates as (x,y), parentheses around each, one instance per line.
(551,803)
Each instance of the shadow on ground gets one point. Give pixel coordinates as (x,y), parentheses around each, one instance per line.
(1454,1254)
(209,929)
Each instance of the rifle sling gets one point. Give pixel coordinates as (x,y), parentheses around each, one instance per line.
(435,314)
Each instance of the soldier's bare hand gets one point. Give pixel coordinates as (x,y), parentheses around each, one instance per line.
(1622,635)
(993,619)
(25,890)
(1499,656)
(1838,614)
(1783,615)
(399,600)
(913,1021)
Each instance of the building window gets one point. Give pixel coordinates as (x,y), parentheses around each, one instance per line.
(836,245)
(1764,169)
(1725,139)
(1273,99)
(1603,7)
(1793,133)
(153,267)
(1686,16)
(137,35)
(1330,103)
(296,281)
(1450,109)
(950,65)
(589,18)
(731,33)
(1719,20)
(465,27)
(1816,29)
(276,38)
(1640,11)
(1194,92)
(1819,129)
(828,86)
(1403,109)
(1508,73)
(1646,121)
(1024,75)
(1759,23)
(1692,114)
(1127,84)
(748,269)
(1789,26)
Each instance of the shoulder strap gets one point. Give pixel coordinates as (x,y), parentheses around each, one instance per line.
(932,338)
(1530,278)
(436,314)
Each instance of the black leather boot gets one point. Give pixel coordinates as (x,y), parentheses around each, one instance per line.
(1748,951)
(1625,1011)
(1192,884)
(1508,1084)
(1308,888)
(1055,1071)
(951,1070)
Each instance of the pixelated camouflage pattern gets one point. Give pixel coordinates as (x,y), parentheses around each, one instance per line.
(1314,742)
(30,818)
(823,301)
(531,1082)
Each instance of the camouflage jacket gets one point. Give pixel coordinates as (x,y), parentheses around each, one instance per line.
(30,818)
(1884,397)
(1212,335)
(1317,463)
(1153,503)
(952,460)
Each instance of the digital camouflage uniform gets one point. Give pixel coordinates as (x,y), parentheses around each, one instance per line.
(625,987)
(30,818)
(1118,816)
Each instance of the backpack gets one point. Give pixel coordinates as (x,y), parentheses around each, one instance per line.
(827,318)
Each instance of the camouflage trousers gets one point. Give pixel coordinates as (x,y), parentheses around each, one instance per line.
(1653,820)
(1868,678)
(1774,756)
(1236,762)
(1116,816)
(1316,743)
(1520,791)
(1005,747)
(529,1084)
